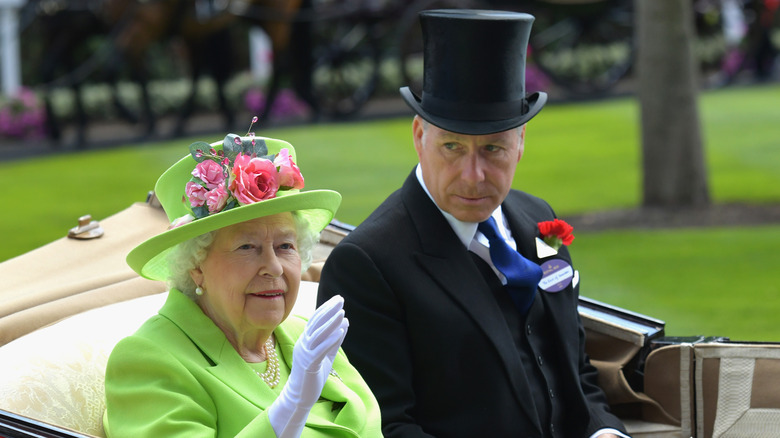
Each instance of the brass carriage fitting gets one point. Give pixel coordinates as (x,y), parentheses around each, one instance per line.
(87,229)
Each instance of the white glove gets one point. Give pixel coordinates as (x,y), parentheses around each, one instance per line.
(313,356)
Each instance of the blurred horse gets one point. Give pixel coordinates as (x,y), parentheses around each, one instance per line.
(204,27)
(66,32)
(130,28)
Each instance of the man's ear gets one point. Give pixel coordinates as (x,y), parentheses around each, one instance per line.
(417,133)
(521,148)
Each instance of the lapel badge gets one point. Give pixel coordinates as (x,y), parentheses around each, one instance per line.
(557,274)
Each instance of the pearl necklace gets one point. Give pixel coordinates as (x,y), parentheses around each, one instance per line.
(271,375)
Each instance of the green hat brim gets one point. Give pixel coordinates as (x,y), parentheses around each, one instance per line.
(149,259)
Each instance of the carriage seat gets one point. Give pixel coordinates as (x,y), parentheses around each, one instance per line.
(56,374)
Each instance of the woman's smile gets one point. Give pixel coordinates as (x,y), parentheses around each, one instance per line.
(269,294)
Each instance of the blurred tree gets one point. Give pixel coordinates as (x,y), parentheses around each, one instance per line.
(674,170)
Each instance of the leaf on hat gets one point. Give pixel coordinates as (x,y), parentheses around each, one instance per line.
(231,148)
(200,212)
(198,150)
(254,147)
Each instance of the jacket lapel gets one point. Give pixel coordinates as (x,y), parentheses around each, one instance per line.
(525,230)
(228,366)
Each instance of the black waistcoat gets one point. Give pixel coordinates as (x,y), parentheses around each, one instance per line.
(538,355)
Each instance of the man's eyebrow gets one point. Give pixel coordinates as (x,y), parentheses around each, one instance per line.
(452,136)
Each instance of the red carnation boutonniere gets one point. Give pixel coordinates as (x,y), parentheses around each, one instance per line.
(556,233)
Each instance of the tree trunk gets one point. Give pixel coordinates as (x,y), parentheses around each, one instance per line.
(675,174)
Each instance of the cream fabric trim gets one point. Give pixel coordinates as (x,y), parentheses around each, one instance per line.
(755,423)
(734,418)
(734,390)
(686,416)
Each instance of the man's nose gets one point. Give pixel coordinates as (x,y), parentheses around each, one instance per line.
(473,169)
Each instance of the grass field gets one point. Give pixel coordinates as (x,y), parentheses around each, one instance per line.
(580,157)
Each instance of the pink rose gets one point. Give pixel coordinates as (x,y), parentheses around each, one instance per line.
(196,193)
(210,173)
(253,179)
(289,174)
(216,199)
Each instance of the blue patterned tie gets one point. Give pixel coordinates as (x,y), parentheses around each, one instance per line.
(522,275)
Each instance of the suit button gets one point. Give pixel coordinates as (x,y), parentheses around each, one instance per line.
(552,394)
(528,329)
(540,360)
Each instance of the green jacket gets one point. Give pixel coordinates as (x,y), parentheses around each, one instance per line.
(179,376)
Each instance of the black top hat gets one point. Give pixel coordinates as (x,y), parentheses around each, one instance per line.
(474,71)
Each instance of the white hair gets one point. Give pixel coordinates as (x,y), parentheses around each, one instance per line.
(189,254)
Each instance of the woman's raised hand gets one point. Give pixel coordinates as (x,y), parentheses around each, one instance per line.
(322,338)
(313,357)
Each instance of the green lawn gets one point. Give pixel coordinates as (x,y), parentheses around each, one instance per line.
(580,157)
(719,281)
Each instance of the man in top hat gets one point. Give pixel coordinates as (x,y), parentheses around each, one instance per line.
(463,323)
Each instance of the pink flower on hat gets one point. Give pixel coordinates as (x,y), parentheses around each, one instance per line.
(253,179)
(210,172)
(196,193)
(241,172)
(289,174)
(216,199)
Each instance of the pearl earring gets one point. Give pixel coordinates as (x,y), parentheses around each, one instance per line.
(198,291)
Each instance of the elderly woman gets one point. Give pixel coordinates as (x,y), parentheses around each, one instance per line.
(224,357)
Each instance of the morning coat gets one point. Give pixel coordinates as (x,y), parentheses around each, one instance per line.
(436,347)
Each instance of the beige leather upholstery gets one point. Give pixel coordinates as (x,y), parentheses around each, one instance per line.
(69,276)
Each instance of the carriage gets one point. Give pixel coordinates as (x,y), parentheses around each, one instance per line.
(64,305)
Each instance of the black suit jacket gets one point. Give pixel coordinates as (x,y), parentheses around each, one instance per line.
(430,339)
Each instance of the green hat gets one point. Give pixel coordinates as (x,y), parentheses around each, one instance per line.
(218,185)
